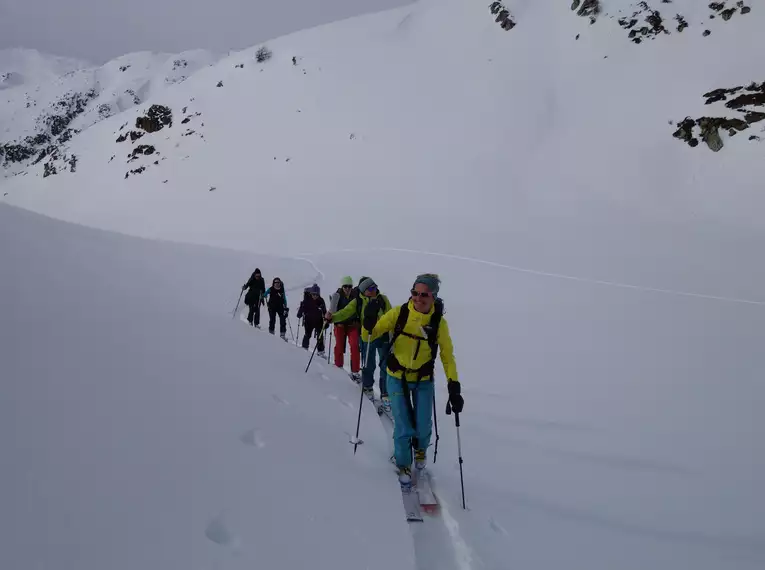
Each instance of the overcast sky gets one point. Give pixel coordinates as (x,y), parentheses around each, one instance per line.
(99,30)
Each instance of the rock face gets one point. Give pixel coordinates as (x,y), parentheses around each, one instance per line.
(263,54)
(52,133)
(156,118)
(749,101)
(503,17)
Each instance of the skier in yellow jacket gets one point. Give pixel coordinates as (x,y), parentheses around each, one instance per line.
(419,331)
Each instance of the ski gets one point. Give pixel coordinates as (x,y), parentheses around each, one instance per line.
(427,498)
(411,505)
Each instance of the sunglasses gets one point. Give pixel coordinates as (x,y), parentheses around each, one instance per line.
(372,288)
(418,294)
(347,286)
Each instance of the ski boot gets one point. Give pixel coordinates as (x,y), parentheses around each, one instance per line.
(321,354)
(385,404)
(369,393)
(420,459)
(270,331)
(356,377)
(283,336)
(405,479)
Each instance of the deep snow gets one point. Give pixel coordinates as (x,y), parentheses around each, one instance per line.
(602,279)
(142,428)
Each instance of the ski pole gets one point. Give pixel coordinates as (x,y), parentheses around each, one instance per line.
(236,309)
(329,347)
(356,440)
(435,420)
(290,324)
(314,350)
(298,334)
(459,448)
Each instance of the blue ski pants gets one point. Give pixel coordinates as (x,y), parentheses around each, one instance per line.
(378,351)
(421,398)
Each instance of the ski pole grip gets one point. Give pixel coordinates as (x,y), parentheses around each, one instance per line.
(448,408)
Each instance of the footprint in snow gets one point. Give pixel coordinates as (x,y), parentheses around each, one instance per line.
(496,527)
(218,532)
(280,400)
(343,402)
(253,437)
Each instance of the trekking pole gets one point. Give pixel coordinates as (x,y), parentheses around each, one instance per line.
(236,309)
(459,447)
(298,334)
(314,349)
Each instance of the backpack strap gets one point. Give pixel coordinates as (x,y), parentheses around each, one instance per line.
(431,332)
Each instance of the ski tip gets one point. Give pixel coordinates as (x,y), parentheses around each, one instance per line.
(414,518)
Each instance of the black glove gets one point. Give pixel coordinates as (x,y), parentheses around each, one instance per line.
(457,402)
(244,286)
(286,311)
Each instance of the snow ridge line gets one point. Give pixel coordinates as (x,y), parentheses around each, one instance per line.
(555,275)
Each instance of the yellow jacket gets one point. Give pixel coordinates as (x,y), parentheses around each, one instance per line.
(405,347)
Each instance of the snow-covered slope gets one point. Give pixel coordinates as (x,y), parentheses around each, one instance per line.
(46,100)
(602,277)
(142,428)
(515,137)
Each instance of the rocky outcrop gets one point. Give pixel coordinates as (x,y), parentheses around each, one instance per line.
(263,54)
(749,101)
(156,118)
(503,16)
(53,132)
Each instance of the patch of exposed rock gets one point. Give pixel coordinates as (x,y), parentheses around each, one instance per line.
(749,101)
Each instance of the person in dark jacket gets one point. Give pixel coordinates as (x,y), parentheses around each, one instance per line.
(276,298)
(312,310)
(254,297)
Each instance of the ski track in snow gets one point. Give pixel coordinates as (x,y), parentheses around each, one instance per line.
(305,256)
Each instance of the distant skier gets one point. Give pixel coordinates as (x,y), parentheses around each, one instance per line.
(276,298)
(347,328)
(370,305)
(312,310)
(254,297)
(419,331)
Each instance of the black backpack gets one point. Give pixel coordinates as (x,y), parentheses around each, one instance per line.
(431,331)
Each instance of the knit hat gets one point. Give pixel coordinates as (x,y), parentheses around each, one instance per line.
(366,284)
(314,289)
(257,271)
(431,281)
(347,280)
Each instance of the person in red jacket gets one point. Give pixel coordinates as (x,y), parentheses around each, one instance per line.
(349,329)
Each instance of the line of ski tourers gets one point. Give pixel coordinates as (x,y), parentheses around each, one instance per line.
(402,341)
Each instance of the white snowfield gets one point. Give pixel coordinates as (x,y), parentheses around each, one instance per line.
(142,428)
(603,284)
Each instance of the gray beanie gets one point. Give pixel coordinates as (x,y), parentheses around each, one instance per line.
(366,284)
(431,281)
